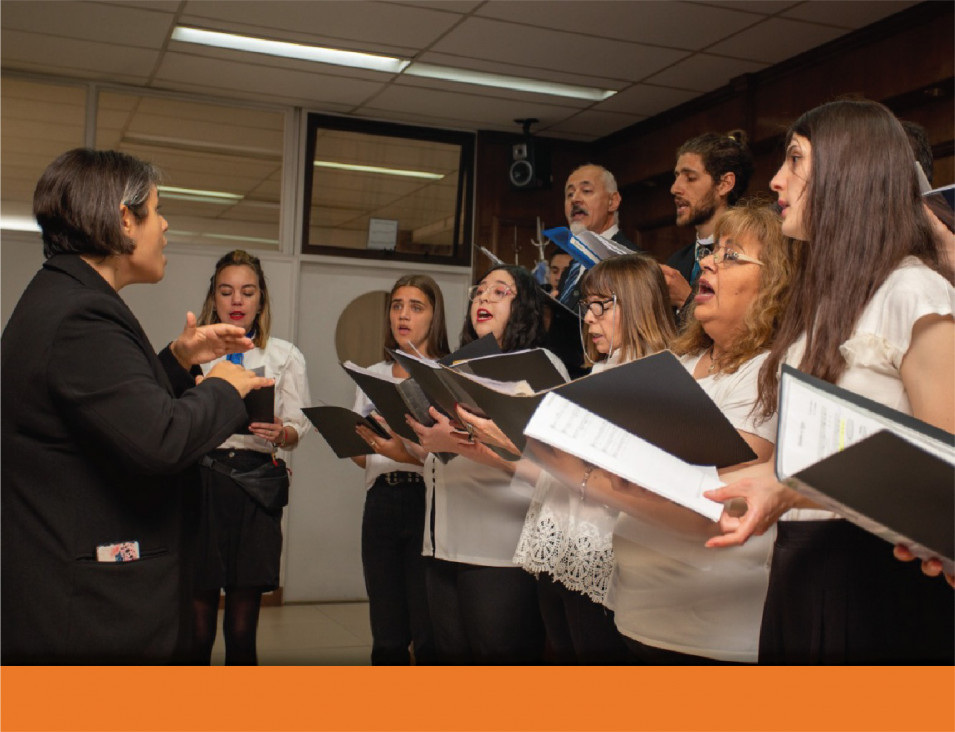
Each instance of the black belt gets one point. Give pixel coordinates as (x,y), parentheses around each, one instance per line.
(400,476)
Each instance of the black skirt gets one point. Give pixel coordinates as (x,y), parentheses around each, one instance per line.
(240,544)
(838,596)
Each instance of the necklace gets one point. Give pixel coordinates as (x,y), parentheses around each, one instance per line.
(715,364)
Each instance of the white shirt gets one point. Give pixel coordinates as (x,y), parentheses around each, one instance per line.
(376,464)
(569,539)
(286,364)
(880,340)
(478,510)
(668,590)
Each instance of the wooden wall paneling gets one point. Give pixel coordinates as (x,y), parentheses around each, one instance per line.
(502,210)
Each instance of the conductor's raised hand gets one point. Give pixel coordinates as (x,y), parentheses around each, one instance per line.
(201,344)
(241,379)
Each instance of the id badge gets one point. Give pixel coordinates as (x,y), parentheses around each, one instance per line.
(123,551)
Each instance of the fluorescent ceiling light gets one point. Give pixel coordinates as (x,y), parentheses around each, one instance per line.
(377,169)
(289,50)
(388,64)
(191,194)
(19,223)
(173,234)
(466,76)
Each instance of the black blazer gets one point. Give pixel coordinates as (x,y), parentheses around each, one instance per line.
(98,434)
(683,260)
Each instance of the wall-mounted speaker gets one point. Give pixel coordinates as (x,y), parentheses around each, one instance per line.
(529,165)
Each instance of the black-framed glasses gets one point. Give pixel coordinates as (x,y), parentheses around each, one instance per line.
(722,254)
(597,307)
(491,293)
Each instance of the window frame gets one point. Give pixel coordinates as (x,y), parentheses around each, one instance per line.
(464,205)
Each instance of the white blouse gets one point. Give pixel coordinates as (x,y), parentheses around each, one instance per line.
(375,464)
(880,340)
(569,539)
(668,590)
(283,362)
(478,510)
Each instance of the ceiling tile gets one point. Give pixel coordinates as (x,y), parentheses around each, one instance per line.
(646,99)
(452,6)
(777,39)
(846,13)
(762,7)
(657,22)
(229,76)
(704,72)
(68,57)
(559,50)
(106,23)
(472,111)
(594,124)
(363,25)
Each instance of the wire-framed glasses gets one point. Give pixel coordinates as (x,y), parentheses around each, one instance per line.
(491,293)
(722,254)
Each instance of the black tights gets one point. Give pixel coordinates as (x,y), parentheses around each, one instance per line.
(238,626)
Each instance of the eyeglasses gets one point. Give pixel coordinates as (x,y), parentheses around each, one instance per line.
(722,254)
(494,293)
(597,307)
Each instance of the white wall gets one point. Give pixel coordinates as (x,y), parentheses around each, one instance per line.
(322,559)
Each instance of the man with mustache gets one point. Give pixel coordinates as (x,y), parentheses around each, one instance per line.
(591,203)
(711,173)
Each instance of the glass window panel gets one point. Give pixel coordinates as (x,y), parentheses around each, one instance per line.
(222,165)
(359,171)
(38,122)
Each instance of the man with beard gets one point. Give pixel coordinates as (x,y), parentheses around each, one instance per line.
(711,174)
(591,203)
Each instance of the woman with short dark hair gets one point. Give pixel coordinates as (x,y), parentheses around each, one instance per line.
(98,433)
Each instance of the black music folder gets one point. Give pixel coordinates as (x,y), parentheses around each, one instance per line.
(260,405)
(393,399)
(885,471)
(655,398)
(337,426)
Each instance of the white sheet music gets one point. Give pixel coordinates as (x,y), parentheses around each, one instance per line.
(814,424)
(577,431)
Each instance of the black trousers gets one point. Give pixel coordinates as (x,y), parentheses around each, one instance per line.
(579,630)
(837,596)
(484,615)
(640,654)
(392,529)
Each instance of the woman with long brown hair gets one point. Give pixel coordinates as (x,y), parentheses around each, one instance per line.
(392,525)
(872,311)
(240,544)
(567,543)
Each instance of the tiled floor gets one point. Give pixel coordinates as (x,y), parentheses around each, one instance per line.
(332,634)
